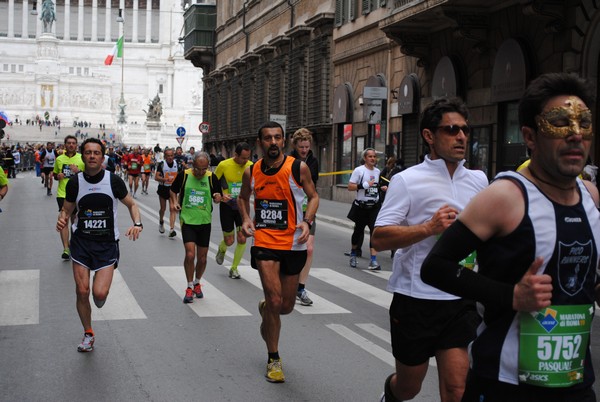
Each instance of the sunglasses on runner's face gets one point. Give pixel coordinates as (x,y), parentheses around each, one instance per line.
(454,130)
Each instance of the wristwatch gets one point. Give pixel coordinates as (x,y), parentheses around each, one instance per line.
(138,225)
(308,222)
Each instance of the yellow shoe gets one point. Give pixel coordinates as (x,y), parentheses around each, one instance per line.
(275,371)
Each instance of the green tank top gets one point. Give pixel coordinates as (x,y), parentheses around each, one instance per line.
(196,207)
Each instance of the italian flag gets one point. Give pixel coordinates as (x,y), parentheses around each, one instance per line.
(116,50)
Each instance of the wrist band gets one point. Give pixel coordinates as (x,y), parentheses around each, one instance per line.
(366,184)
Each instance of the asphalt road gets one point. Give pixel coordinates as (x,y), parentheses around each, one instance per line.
(152,347)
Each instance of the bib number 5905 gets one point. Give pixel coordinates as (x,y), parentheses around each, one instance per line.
(555,347)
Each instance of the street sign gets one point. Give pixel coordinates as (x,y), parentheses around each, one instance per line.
(375,92)
(180,131)
(204,127)
(279,118)
(180,139)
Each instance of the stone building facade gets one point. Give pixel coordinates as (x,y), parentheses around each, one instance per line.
(358,73)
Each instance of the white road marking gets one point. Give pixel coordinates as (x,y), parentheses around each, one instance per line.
(364,343)
(120,304)
(320,306)
(380,274)
(19,297)
(357,288)
(214,304)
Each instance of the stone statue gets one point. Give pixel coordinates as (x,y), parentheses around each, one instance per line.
(48,15)
(154,109)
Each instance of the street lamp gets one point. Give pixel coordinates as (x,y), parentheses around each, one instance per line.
(122,121)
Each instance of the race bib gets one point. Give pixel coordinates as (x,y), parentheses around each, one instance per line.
(234,189)
(271,214)
(372,192)
(170,177)
(553,344)
(197,199)
(96,222)
(66,170)
(146,167)
(134,165)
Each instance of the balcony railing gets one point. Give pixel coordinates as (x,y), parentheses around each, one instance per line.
(200,21)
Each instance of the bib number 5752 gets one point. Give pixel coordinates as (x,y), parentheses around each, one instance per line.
(557,347)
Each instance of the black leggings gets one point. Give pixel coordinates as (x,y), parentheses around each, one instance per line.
(365,218)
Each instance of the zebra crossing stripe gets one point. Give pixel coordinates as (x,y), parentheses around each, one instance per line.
(215,304)
(357,288)
(380,274)
(120,304)
(320,306)
(364,343)
(19,297)
(376,331)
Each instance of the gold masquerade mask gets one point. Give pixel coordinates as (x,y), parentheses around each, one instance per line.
(564,121)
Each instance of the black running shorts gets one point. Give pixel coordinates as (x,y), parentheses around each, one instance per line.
(230,218)
(198,234)
(420,327)
(291,262)
(164,192)
(93,254)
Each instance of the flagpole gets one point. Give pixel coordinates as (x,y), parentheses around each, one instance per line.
(122,117)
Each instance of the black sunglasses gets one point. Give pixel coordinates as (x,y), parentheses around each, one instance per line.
(454,130)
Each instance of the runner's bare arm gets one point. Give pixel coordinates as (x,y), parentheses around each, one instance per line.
(64,214)
(313,201)
(244,204)
(134,231)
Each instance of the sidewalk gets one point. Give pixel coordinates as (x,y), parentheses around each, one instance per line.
(334,212)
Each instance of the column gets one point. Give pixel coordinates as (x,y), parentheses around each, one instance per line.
(107,23)
(38,22)
(67,17)
(122,24)
(134,32)
(11,19)
(148,21)
(94,20)
(170,88)
(80,21)
(25,20)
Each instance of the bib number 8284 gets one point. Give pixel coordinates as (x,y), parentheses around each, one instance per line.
(271,214)
(557,347)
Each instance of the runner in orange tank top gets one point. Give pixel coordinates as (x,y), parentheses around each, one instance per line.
(280,231)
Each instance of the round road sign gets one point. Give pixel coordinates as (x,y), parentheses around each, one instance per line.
(204,127)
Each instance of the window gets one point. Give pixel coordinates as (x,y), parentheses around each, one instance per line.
(86,71)
(160,88)
(71,70)
(345,11)
(513,151)
(345,154)
(480,149)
